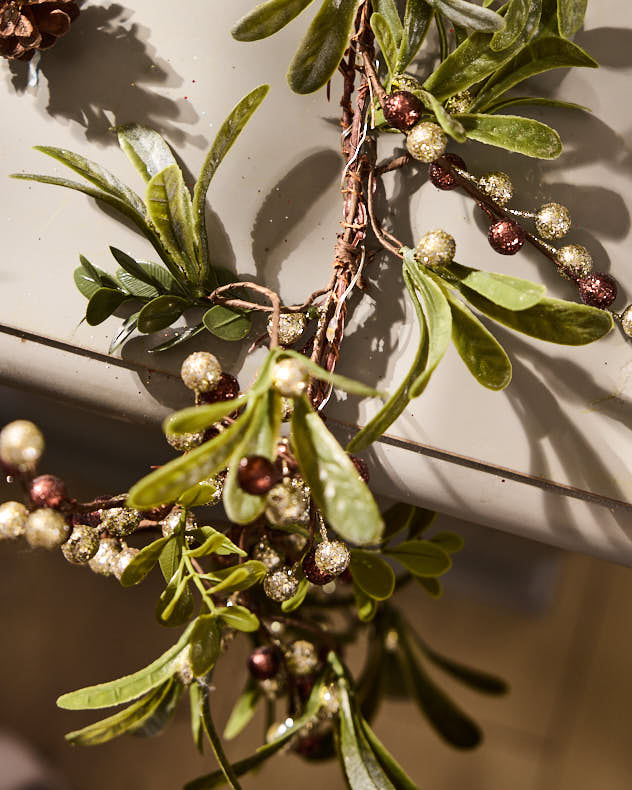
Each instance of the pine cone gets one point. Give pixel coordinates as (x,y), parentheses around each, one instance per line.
(28,25)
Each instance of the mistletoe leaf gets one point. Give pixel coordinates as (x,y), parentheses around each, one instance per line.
(161,312)
(514,133)
(334,379)
(536,100)
(145,148)
(474,60)
(431,585)
(169,481)
(512,293)
(162,715)
(127,688)
(260,438)
(197,418)
(542,54)
(181,336)
(244,710)
(103,303)
(386,41)
(421,557)
(449,541)
(393,769)
(465,14)
(515,21)
(403,516)
(89,278)
(388,10)
(227,323)
(239,618)
(340,494)
(268,18)
(175,605)
(449,124)
(297,599)
(417,18)
(366,606)
(143,562)
(483,355)
(132,717)
(146,273)
(324,44)
(553,320)
(213,542)
(205,641)
(570,16)
(127,327)
(239,577)
(372,574)
(202,493)
(135,287)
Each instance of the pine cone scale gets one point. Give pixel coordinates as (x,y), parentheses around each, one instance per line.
(33,25)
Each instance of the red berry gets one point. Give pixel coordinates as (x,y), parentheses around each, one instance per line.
(440,177)
(48,491)
(264,662)
(506,237)
(312,572)
(597,289)
(362,467)
(402,110)
(227,389)
(257,475)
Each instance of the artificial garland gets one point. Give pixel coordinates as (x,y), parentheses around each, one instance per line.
(300,516)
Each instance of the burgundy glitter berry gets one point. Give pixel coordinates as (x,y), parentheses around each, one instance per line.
(227,389)
(506,237)
(257,475)
(597,289)
(48,491)
(402,110)
(312,572)
(362,467)
(264,663)
(440,177)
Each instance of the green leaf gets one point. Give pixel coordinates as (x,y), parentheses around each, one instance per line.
(146,273)
(514,133)
(135,715)
(483,355)
(322,49)
(388,10)
(102,304)
(449,541)
(239,618)
(195,702)
(473,60)
(181,336)
(341,382)
(404,516)
(135,287)
(417,18)
(228,133)
(393,769)
(146,149)
(362,769)
(96,174)
(170,207)
(89,278)
(515,21)
(218,750)
(227,323)
(170,557)
(143,562)
(169,481)
(268,18)
(449,721)
(431,585)
(127,327)
(512,293)
(366,606)
(449,124)
(468,15)
(570,16)
(239,577)
(297,599)
(127,688)
(163,714)
(197,418)
(175,605)
(224,547)
(553,320)
(205,643)
(438,323)
(243,711)
(474,678)
(542,54)
(401,397)
(340,494)
(421,557)
(260,438)
(202,493)
(161,313)
(372,574)
(386,41)
(536,100)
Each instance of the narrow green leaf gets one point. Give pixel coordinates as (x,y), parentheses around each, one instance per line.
(143,562)
(135,287)
(340,494)
(540,55)
(170,557)
(102,304)
(570,16)
(162,715)
(297,599)
(127,688)
(386,41)
(421,557)
(239,618)
(197,418)
(175,605)
(468,15)
(244,710)
(417,18)
(483,355)
(403,516)
(202,493)
(448,541)
(372,574)
(366,606)
(228,133)
(474,678)
(553,320)
(323,46)
(393,769)
(535,101)
(512,293)
(146,149)
(239,577)
(181,336)
(268,18)
(388,10)
(135,715)
(450,125)
(260,438)
(514,133)
(144,273)
(334,379)
(227,323)
(161,312)
(401,397)
(515,21)
(205,643)
(195,703)
(127,327)
(207,537)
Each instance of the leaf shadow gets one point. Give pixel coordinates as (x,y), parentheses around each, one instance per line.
(106,72)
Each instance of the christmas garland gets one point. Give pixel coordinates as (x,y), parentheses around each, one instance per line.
(300,517)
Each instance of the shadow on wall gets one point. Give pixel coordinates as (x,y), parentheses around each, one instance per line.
(97,98)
